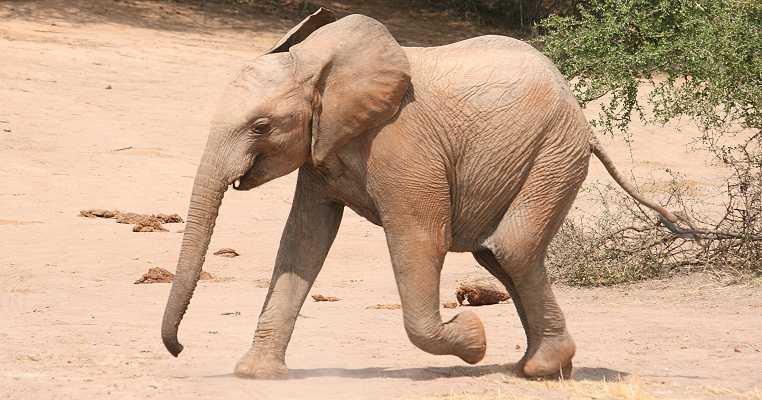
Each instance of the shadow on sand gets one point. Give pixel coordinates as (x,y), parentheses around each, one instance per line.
(197,16)
(432,373)
(431,27)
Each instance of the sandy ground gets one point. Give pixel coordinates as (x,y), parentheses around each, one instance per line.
(81,80)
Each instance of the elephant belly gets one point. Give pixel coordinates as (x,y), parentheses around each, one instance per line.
(371,214)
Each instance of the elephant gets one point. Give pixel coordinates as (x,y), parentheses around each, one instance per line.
(477,146)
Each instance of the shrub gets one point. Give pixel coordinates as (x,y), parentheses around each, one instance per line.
(701,59)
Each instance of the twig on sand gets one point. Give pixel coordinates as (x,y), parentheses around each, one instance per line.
(122,149)
(320,297)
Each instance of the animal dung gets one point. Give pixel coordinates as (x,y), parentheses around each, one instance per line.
(384,307)
(480,292)
(156,275)
(140,222)
(97,212)
(161,275)
(226,252)
(320,297)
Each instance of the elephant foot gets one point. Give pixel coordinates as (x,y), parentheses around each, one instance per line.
(551,360)
(470,340)
(252,366)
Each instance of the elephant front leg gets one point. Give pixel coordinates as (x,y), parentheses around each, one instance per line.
(309,233)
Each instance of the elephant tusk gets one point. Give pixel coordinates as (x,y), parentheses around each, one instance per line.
(236,183)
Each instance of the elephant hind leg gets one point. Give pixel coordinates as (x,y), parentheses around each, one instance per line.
(549,351)
(515,254)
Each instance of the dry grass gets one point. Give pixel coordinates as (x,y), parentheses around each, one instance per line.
(627,243)
(753,394)
(631,388)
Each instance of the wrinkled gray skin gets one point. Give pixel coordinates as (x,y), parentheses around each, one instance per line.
(477,146)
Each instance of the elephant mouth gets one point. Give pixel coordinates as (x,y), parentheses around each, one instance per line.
(247,181)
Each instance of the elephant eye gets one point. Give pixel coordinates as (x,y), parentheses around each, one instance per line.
(261,126)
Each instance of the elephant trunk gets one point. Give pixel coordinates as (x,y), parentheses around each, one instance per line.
(208,189)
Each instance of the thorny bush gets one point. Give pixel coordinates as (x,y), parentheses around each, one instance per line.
(627,243)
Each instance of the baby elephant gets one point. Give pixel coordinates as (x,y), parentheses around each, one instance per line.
(478,146)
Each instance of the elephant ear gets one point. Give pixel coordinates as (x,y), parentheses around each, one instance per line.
(355,74)
(298,33)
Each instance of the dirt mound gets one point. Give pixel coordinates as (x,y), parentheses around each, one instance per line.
(481,292)
(161,275)
(140,222)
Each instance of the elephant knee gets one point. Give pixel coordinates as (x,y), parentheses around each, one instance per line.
(426,337)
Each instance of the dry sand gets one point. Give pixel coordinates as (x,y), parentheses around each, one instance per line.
(102,109)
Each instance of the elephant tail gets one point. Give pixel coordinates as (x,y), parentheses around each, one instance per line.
(669,219)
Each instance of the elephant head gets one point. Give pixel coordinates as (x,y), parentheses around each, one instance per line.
(319,87)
